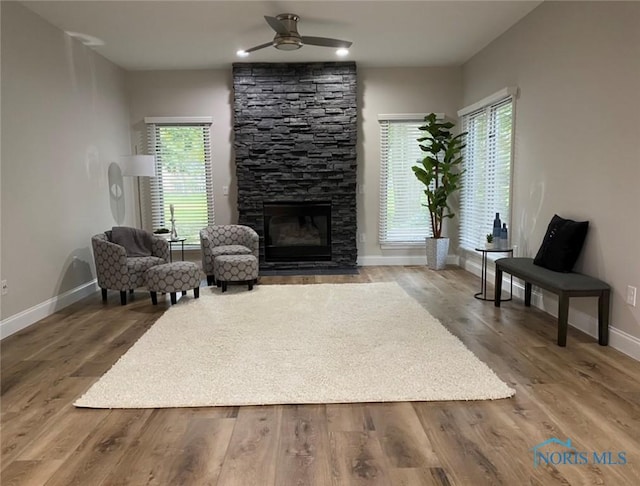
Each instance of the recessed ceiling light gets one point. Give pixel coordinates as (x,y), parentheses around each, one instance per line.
(242,53)
(342,52)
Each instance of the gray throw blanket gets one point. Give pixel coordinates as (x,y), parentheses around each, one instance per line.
(136,242)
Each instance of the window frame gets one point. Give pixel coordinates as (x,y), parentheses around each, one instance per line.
(486,106)
(157,211)
(384,121)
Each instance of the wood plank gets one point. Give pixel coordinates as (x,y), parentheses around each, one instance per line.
(584,424)
(27,473)
(402,437)
(204,447)
(349,417)
(425,476)
(59,440)
(251,457)
(303,451)
(357,459)
(44,409)
(462,457)
(102,450)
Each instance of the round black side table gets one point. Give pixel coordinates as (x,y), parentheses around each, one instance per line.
(176,242)
(482,295)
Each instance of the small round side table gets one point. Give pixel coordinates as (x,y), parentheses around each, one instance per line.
(176,242)
(482,295)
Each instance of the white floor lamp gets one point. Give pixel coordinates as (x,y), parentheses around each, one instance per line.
(139,166)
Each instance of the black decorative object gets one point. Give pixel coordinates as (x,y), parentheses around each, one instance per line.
(562,244)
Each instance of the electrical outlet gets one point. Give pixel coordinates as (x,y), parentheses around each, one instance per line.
(225,190)
(363,237)
(5,288)
(631,295)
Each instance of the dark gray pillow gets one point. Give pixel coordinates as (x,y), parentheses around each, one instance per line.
(562,244)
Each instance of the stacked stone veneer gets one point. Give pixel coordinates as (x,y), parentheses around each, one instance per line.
(295,140)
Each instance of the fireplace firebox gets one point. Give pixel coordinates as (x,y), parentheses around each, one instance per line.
(297,231)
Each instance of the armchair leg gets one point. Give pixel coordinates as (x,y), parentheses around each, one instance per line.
(173,298)
(196,292)
(123,297)
(104,295)
(154,298)
(211,280)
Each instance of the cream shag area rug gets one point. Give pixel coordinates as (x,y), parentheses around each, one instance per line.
(318,343)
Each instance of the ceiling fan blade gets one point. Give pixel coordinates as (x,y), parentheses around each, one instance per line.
(325,42)
(277,25)
(261,46)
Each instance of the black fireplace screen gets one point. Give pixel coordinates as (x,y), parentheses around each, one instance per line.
(297,231)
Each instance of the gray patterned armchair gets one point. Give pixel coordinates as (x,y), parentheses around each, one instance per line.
(117,271)
(226,239)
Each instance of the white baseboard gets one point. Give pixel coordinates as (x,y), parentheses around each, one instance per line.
(625,343)
(399,260)
(548,302)
(24,319)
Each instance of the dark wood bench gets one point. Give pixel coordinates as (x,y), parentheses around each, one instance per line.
(565,285)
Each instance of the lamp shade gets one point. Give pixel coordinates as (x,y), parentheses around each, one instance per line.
(139,165)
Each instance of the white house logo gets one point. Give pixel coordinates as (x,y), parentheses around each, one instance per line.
(547,453)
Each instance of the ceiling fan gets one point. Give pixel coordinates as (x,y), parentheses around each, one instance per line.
(287,37)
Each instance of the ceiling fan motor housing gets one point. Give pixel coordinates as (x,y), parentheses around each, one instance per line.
(292,41)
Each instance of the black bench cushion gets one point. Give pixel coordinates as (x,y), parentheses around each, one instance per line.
(524,267)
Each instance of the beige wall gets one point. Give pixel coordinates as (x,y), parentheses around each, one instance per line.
(65,122)
(577,149)
(394,90)
(191,93)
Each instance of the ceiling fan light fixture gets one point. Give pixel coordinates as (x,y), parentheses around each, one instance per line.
(242,53)
(342,52)
(288,43)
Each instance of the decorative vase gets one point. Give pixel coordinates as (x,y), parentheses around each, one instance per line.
(497,227)
(437,251)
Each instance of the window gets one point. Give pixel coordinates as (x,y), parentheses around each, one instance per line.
(403,218)
(487,159)
(183,174)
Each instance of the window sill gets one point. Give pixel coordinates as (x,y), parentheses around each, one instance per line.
(401,246)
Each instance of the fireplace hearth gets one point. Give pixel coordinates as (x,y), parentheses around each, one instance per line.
(297,231)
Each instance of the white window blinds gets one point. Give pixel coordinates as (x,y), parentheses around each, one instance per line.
(183,177)
(487,159)
(403,219)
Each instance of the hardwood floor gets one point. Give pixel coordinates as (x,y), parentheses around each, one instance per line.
(585,392)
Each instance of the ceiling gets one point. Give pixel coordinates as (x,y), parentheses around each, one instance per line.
(181,34)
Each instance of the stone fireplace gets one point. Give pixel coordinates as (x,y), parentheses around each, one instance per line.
(295,149)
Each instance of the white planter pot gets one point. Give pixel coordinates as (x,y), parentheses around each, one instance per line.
(437,251)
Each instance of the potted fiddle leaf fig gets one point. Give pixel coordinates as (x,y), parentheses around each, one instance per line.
(440,173)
